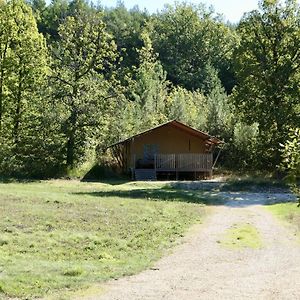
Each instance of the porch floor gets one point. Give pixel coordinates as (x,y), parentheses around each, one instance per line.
(153,175)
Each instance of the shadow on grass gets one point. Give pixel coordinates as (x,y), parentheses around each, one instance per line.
(113,182)
(209,186)
(17,180)
(105,174)
(164,194)
(255,185)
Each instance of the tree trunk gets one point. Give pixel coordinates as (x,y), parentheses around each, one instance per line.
(18,111)
(70,149)
(280,120)
(1,99)
(71,139)
(3,56)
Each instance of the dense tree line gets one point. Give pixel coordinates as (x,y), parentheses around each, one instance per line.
(75,77)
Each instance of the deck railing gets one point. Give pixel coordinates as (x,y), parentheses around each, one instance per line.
(184,162)
(165,161)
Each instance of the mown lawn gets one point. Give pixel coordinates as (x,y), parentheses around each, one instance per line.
(57,236)
(288,212)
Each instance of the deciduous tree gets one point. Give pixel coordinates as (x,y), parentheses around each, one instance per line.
(82,61)
(23,69)
(291,162)
(267,64)
(187,38)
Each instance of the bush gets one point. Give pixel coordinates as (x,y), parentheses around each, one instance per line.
(291,160)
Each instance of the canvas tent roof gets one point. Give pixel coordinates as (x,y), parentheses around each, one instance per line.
(198,133)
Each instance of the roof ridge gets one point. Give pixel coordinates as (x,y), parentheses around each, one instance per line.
(209,137)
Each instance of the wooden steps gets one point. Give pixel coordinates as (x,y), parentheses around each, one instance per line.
(145,174)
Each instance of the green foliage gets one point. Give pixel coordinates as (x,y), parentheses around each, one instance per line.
(116,72)
(188,107)
(23,70)
(245,134)
(150,87)
(267,69)
(126,26)
(49,17)
(291,153)
(187,38)
(146,96)
(291,162)
(81,66)
(219,112)
(245,139)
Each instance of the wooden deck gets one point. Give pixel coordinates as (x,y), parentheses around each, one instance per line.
(190,162)
(176,164)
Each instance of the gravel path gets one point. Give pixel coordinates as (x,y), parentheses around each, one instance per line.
(201,268)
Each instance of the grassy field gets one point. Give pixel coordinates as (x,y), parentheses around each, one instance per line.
(288,212)
(255,184)
(57,236)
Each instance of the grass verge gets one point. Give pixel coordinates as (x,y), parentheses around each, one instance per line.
(255,184)
(241,236)
(287,212)
(60,236)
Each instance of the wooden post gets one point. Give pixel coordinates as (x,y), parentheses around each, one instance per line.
(134,161)
(176,165)
(155,165)
(133,167)
(214,163)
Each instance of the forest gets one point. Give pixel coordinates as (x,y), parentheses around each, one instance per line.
(76,77)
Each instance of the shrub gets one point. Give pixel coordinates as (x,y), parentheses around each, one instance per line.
(291,160)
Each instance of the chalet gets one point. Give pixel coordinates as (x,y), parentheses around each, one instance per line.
(172,150)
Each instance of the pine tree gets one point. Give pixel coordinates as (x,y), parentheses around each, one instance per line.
(150,87)
(188,107)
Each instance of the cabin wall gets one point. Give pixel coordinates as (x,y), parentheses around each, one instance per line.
(170,140)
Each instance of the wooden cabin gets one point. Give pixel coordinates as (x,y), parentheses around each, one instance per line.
(172,151)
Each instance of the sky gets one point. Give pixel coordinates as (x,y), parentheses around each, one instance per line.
(233,10)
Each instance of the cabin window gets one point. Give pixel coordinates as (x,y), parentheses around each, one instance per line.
(150,150)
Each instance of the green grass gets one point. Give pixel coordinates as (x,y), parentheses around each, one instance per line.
(241,236)
(253,184)
(288,212)
(59,236)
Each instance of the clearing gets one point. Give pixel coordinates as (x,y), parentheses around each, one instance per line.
(61,236)
(262,262)
(58,236)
